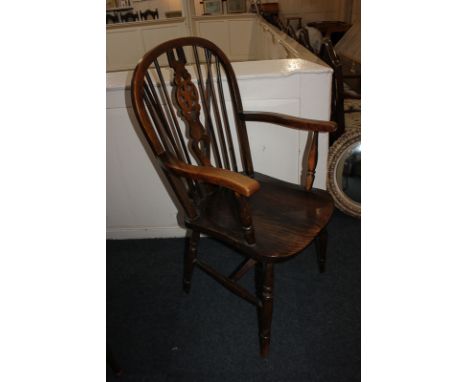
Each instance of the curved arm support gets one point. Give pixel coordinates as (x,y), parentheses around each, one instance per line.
(234,181)
(296,123)
(288,121)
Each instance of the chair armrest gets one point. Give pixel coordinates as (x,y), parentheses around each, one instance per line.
(288,121)
(234,181)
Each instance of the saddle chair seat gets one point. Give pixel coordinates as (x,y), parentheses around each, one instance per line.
(287,218)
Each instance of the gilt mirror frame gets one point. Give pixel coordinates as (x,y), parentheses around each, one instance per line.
(337,150)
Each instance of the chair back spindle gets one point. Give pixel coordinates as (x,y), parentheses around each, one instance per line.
(312,162)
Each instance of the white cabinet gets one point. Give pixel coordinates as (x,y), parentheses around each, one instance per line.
(124,48)
(235,35)
(126,45)
(241,31)
(216,31)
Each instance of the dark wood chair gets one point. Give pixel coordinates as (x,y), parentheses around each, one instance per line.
(150,14)
(340,95)
(111,19)
(129,17)
(188,129)
(294,18)
(272,17)
(291,32)
(279,24)
(333,30)
(303,38)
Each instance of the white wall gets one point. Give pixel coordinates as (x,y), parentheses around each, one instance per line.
(235,35)
(126,45)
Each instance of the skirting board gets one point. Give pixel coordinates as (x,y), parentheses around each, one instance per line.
(120,233)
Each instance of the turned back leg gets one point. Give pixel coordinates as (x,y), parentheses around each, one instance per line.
(190,257)
(266,309)
(321,248)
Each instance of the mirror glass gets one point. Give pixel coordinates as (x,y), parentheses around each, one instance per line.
(348,172)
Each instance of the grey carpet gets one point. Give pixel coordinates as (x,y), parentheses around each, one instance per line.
(158,333)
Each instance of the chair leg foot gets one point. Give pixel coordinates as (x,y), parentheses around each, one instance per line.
(190,257)
(187,285)
(266,309)
(321,248)
(118,371)
(264,346)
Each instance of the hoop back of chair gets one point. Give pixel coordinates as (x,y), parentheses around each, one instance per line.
(189,119)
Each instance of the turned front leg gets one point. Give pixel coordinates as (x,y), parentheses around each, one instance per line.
(266,310)
(321,248)
(190,257)
(246,219)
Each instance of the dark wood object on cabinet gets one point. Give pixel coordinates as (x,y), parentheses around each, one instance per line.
(303,38)
(280,25)
(270,8)
(111,19)
(333,30)
(291,32)
(265,219)
(150,14)
(270,12)
(129,16)
(298,19)
(328,54)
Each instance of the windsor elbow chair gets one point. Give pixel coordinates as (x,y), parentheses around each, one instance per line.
(187,125)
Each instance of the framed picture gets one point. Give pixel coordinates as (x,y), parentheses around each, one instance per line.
(236,6)
(213,7)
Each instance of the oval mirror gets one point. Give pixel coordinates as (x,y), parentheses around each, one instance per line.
(344,173)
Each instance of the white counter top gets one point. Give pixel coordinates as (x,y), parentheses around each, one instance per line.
(243,70)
